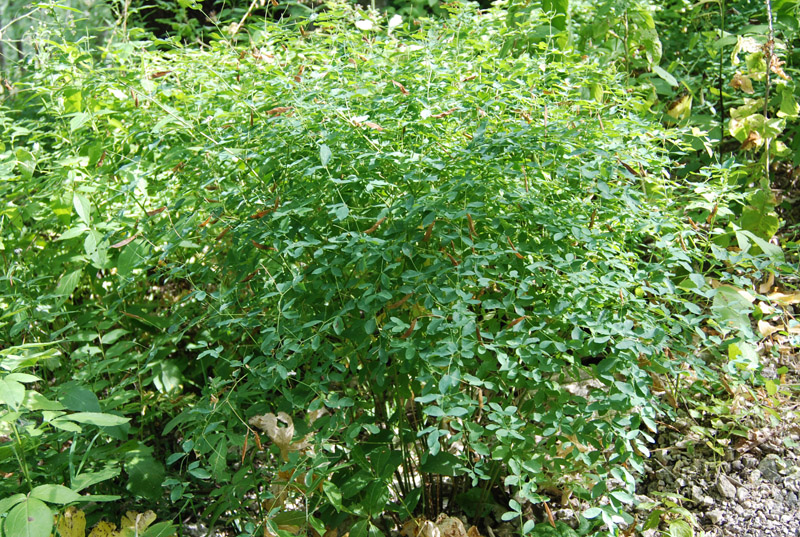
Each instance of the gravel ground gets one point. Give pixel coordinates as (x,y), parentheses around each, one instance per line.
(752,489)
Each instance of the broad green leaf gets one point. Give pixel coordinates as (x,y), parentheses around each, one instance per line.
(732,307)
(680,528)
(97,418)
(744,355)
(29,518)
(66,425)
(558,9)
(772,251)
(376,498)
(160,529)
(87,479)
(145,476)
(592,512)
(58,494)
(73,100)
(333,494)
(325,154)
(360,529)
(79,398)
(68,283)
(443,463)
(22,377)
(71,233)
(218,460)
(7,503)
(78,120)
(168,377)
(83,208)
(26,162)
(131,257)
(12,393)
(789,106)
(666,76)
(36,401)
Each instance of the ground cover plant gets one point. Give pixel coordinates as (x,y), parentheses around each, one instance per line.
(347,272)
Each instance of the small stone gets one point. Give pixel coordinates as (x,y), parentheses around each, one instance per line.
(567,516)
(742,494)
(725,487)
(755,476)
(790,499)
(771,467)
(737,465)
(715,517)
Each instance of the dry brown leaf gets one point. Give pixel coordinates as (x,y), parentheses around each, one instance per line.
(279,110)
(776,66)
(785,299)
(443,114)
(766,286)
(451,527)
(372,125)
(742,82)
(123,242)
(402,88)
(766,329)
(411,527)
(429,529)
(766,309)
(473,532)
(280,435)
(752,141)
(375,226)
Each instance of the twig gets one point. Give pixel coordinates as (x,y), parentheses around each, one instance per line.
(769,49)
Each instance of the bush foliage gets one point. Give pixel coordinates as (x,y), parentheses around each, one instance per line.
(351,269)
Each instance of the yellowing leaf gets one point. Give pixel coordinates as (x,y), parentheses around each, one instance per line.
(72,523)
(681,108)
(104,529)
(742,82)
(136,521)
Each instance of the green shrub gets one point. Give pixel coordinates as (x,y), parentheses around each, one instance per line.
(422,275)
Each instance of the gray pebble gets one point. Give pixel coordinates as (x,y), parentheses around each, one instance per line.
(754,477)
(771,467)
(742,494)
(725,487)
